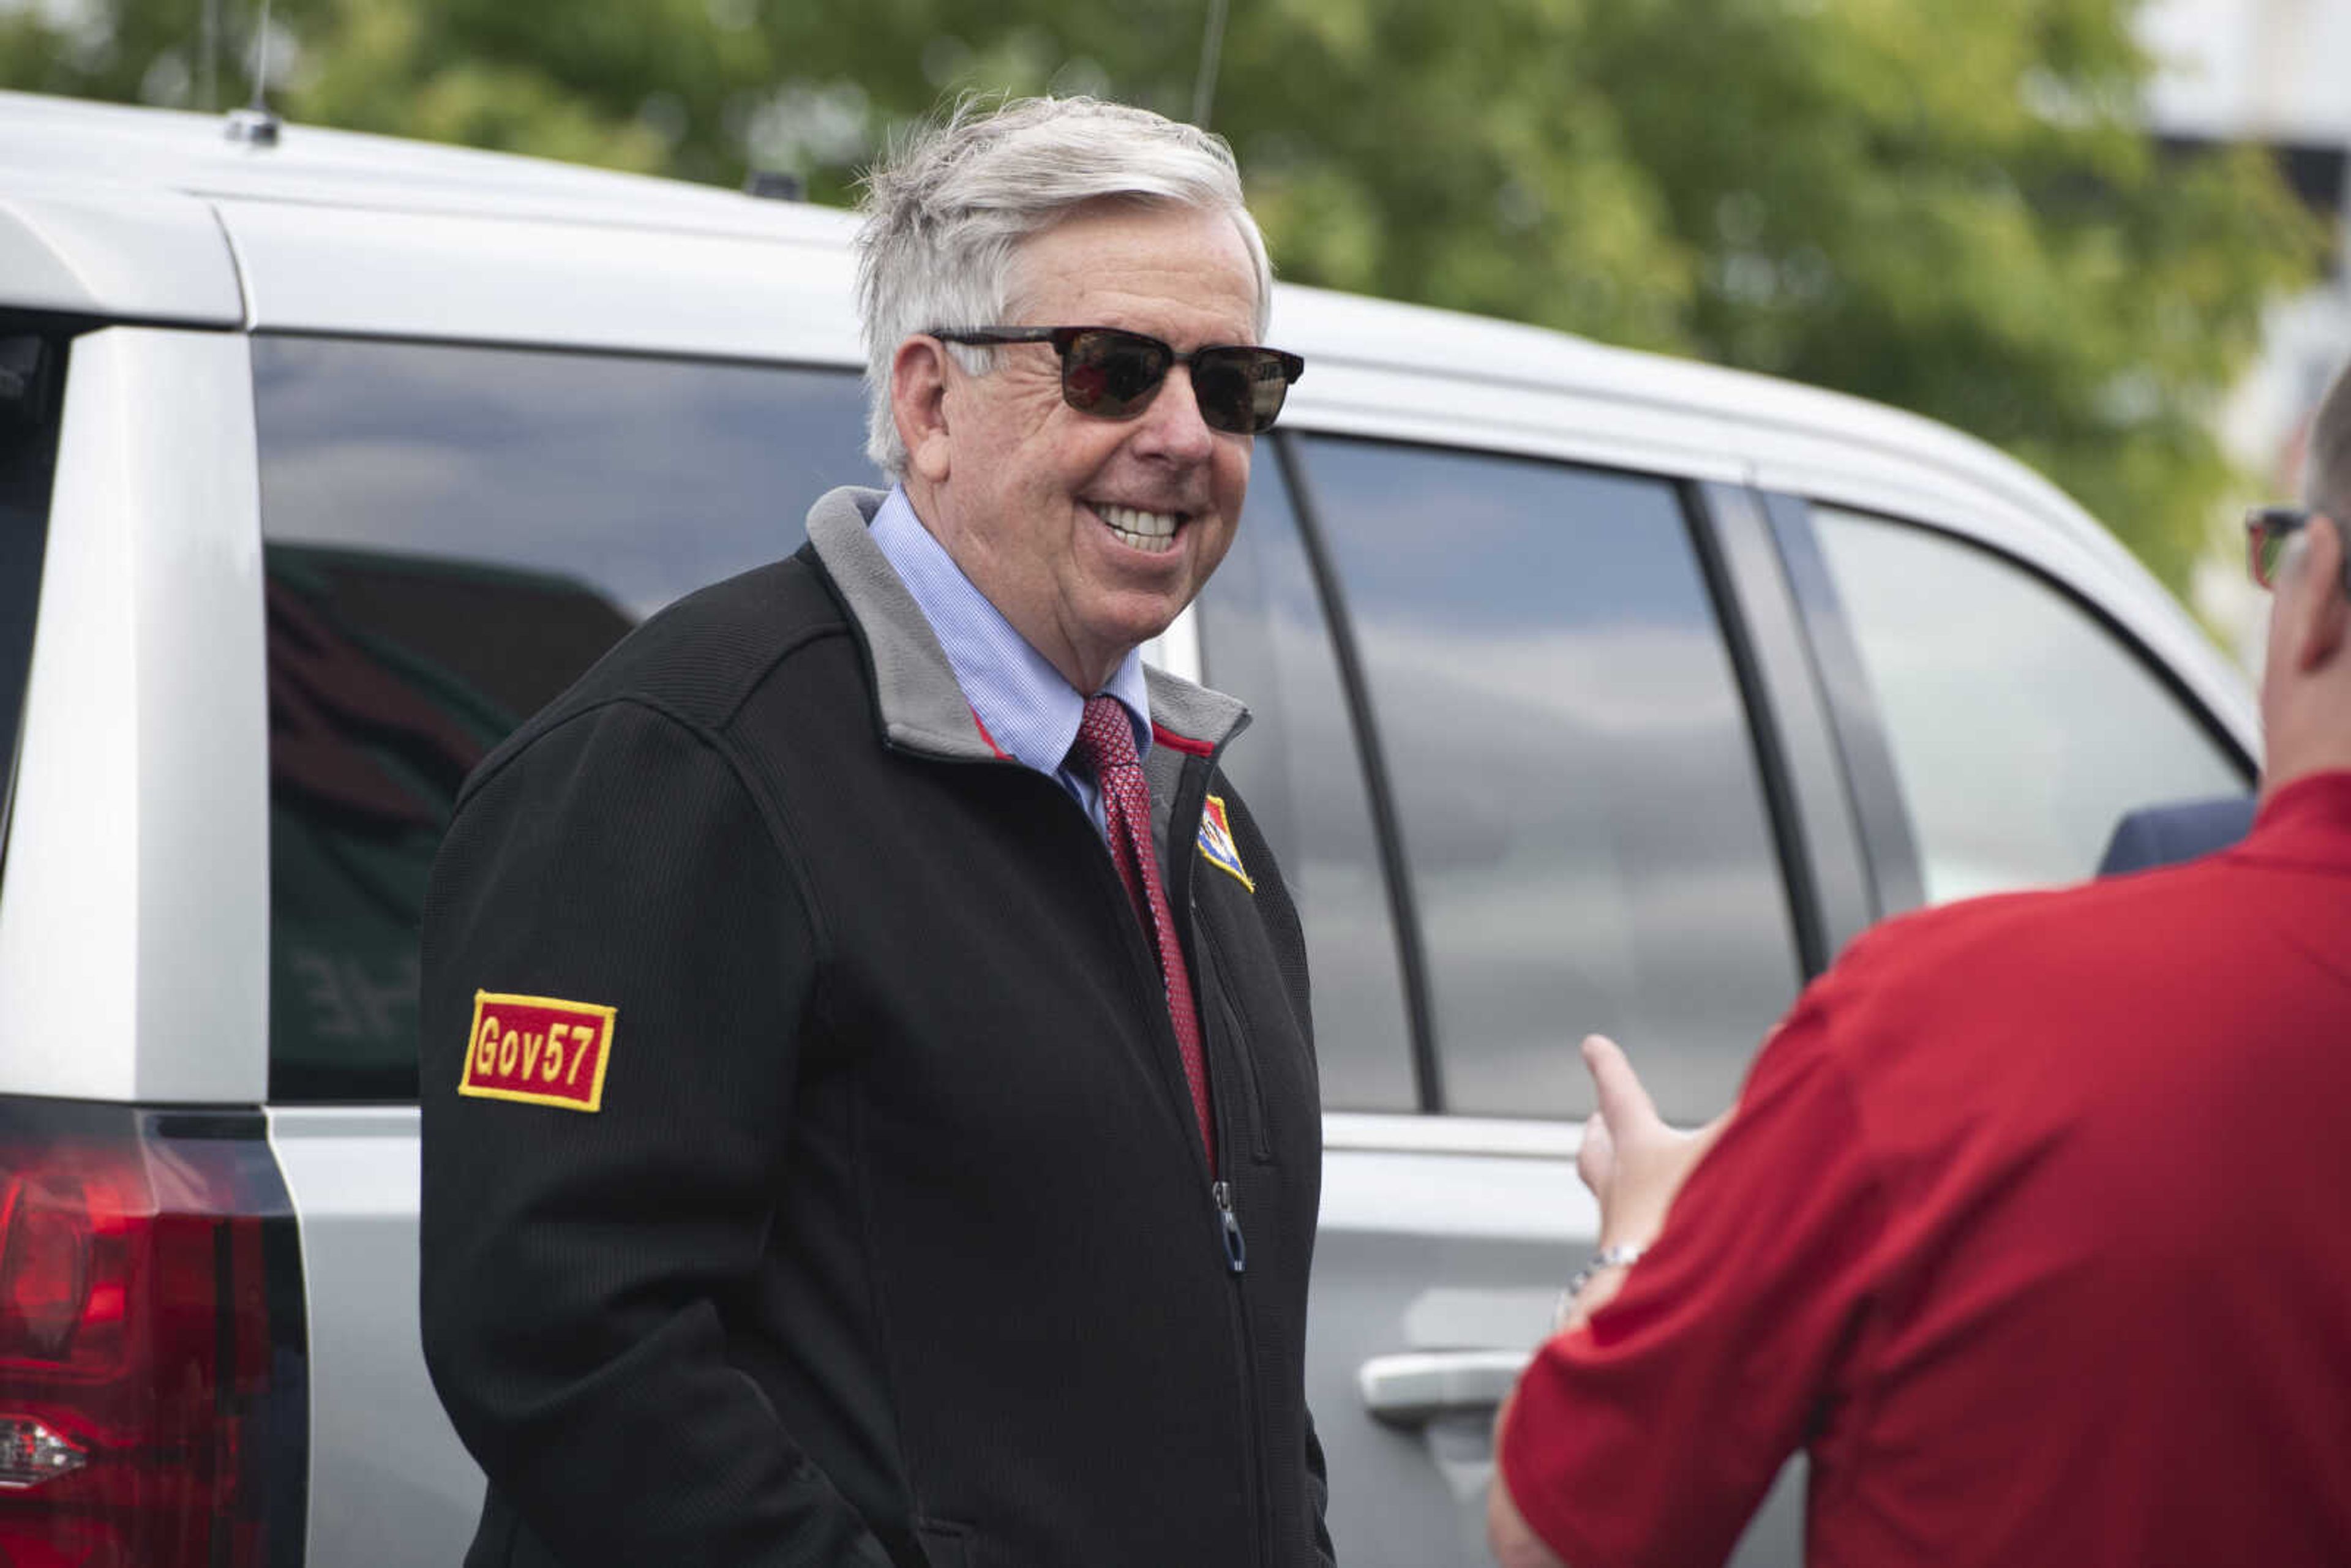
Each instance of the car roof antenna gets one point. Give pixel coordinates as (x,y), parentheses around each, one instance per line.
(1212,48)
(255,125)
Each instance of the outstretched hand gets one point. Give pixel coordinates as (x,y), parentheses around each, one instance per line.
(1633,1162)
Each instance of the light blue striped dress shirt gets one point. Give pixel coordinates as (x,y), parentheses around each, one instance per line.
(1029,710)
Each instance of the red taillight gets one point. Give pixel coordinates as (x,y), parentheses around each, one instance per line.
(152,1384)
(45,1254)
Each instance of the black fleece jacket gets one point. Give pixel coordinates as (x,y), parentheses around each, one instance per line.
(890,1238)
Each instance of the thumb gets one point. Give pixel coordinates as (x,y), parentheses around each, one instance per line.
(1596,1158)
(1622,1102)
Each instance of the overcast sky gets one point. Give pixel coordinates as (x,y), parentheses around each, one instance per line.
(2273,68)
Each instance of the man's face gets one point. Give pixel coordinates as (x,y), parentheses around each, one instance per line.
(1056,515)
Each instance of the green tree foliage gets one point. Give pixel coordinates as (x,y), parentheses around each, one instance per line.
(1950,205)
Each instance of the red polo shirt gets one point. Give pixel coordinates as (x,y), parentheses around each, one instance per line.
(2033,1227)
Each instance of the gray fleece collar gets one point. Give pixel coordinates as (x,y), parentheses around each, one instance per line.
(920,705)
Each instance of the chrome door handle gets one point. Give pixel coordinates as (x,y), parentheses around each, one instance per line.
(1415,1387)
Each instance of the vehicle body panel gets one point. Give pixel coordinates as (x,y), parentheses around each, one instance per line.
(371,273)
(405,1493)
(81,248)
(134,921)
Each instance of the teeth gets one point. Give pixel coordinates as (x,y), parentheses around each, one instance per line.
(1153,531)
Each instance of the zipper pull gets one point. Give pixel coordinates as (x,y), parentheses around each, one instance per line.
(1235,1248)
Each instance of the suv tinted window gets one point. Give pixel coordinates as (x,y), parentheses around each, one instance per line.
(451,536)
(1573,777)
(32,373)
(1265,639)
(2022,728)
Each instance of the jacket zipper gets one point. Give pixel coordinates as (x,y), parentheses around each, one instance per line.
(1207,970)
(1234,1242)
(1229,1223)
(1252,1461)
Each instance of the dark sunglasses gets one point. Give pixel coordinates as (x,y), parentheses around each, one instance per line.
(2267,529)
(1112,373)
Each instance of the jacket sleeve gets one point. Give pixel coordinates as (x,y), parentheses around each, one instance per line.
(574,1261)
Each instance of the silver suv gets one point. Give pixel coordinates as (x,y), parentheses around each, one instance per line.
(1595,691)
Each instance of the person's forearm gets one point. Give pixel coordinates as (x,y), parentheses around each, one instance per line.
(1513,1541)
(1598,1291)
(1507,1534)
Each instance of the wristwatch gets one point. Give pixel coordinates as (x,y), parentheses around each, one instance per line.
(1620,1256)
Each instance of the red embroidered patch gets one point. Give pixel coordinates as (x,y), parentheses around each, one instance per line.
(537,1049)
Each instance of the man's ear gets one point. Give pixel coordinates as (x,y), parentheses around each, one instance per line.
(918,405)
(2322,614)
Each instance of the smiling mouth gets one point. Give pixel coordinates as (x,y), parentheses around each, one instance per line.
(1151,532)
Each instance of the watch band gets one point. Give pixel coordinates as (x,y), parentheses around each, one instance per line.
(1621,1255)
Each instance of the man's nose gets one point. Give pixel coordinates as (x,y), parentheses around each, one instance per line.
(1172,425)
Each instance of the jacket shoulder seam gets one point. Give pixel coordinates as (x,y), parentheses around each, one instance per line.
(714,738)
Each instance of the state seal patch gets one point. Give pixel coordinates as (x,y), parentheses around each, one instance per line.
(537,1049)
(1216,841)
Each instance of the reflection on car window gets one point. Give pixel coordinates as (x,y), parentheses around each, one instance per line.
(1577,789)
(2021,729)
(1264,638)
(451,536)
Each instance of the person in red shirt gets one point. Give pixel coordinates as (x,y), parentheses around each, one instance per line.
(2032,1223)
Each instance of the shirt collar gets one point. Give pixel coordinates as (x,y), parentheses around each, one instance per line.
(1029,712)
(2310,817)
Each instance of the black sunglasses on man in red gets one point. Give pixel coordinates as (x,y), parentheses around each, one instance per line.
(2267,528)
(1112,373)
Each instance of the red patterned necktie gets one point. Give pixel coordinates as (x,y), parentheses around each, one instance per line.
(1106,745)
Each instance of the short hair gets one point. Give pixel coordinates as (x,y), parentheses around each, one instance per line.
(2326,453)
(947,211)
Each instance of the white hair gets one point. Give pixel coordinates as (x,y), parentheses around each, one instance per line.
(947,213)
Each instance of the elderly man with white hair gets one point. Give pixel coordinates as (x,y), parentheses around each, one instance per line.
(869,1109)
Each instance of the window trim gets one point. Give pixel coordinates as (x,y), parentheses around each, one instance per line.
(59,336)
(1387,822)
(1806,923)
(563,349)
(1890,841)
(1890,849)
(1716,515)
